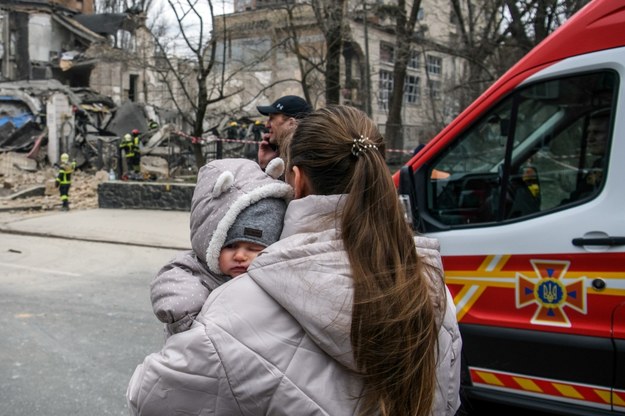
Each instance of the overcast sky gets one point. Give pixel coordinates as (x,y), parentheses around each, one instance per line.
(219,7)
(162,9)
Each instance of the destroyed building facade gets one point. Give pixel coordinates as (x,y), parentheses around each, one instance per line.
(110,53)
(69,78)
(37,36)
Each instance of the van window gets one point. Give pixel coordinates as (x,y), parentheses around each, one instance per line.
(542,148)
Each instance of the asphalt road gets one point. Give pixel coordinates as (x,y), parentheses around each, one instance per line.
(76,320)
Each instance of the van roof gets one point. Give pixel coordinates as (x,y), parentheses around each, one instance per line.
(597,26)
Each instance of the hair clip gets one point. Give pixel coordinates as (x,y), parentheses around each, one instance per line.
(361,145)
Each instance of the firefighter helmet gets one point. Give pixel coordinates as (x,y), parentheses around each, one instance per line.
(127,137)
(64,158)
(135,131)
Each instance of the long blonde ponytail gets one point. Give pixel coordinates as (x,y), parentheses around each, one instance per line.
(393,332)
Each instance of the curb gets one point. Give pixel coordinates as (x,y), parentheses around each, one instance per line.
(22,208)
(4,230)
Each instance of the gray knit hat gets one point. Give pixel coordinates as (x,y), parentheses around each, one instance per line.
(260,223)
(225,189)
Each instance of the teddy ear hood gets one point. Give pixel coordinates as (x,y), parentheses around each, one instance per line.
(224,189)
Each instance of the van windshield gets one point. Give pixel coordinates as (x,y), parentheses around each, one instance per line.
(532,153)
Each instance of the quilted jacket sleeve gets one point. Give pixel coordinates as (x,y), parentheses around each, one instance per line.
(179,291)
(185,378)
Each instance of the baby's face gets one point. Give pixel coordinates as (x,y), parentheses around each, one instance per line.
(234,259)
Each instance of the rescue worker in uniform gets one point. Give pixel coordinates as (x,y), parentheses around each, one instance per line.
(258,129)
(130,144)
(136,137)
(232,131)
(64,180)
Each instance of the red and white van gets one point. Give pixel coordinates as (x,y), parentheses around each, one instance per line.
(525,190)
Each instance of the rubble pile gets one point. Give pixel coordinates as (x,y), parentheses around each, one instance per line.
(28,188)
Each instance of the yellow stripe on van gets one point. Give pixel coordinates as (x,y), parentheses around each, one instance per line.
(568,391)
(490,378)
(527,384)
(617,400)
(604,394)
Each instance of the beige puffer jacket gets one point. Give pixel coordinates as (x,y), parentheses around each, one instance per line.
(276,341)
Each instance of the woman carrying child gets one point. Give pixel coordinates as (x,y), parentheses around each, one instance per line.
(346,315)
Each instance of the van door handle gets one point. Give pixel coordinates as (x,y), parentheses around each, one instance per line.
(602,241)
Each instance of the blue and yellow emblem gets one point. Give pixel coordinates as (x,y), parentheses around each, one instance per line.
(551,291)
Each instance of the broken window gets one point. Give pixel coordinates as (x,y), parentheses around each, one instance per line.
(133,84)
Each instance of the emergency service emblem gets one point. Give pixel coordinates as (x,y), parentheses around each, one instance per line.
(551,291)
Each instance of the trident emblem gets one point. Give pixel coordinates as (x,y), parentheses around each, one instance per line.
(551,292)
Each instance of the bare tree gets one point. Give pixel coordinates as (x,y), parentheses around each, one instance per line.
(478,39)
(484,30)
(405,21)
(494,34)
(329,14)
(186,76)
(310,60)
(123,6)
(491,36)
(316,62)
(531,21)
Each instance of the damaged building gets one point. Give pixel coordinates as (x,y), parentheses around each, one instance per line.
(37,37)
(70,81)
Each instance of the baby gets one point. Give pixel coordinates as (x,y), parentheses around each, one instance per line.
(237,210)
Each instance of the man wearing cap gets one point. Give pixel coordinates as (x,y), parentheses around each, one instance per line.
(283,115)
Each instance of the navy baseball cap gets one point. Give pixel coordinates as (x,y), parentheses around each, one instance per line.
(289,105)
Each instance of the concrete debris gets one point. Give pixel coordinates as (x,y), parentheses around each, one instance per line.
(21,138)
(22,162)
(35,191)
(82,195)
(46,118)
(156,166)
(128,117)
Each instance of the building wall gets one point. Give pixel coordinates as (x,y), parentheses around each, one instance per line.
(80,6)
(37,39)
(258,71)
(6,54)
(112,74)
(107,78)
(19,30)
(420,118)
(42,39)
(243,5)
(33,41)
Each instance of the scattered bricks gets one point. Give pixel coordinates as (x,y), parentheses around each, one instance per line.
(101,176)
(155,165)
(83,193)
(37,190)
(51,188)
(8,183)
(25,164)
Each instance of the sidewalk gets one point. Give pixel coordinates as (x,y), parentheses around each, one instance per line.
(149,228)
